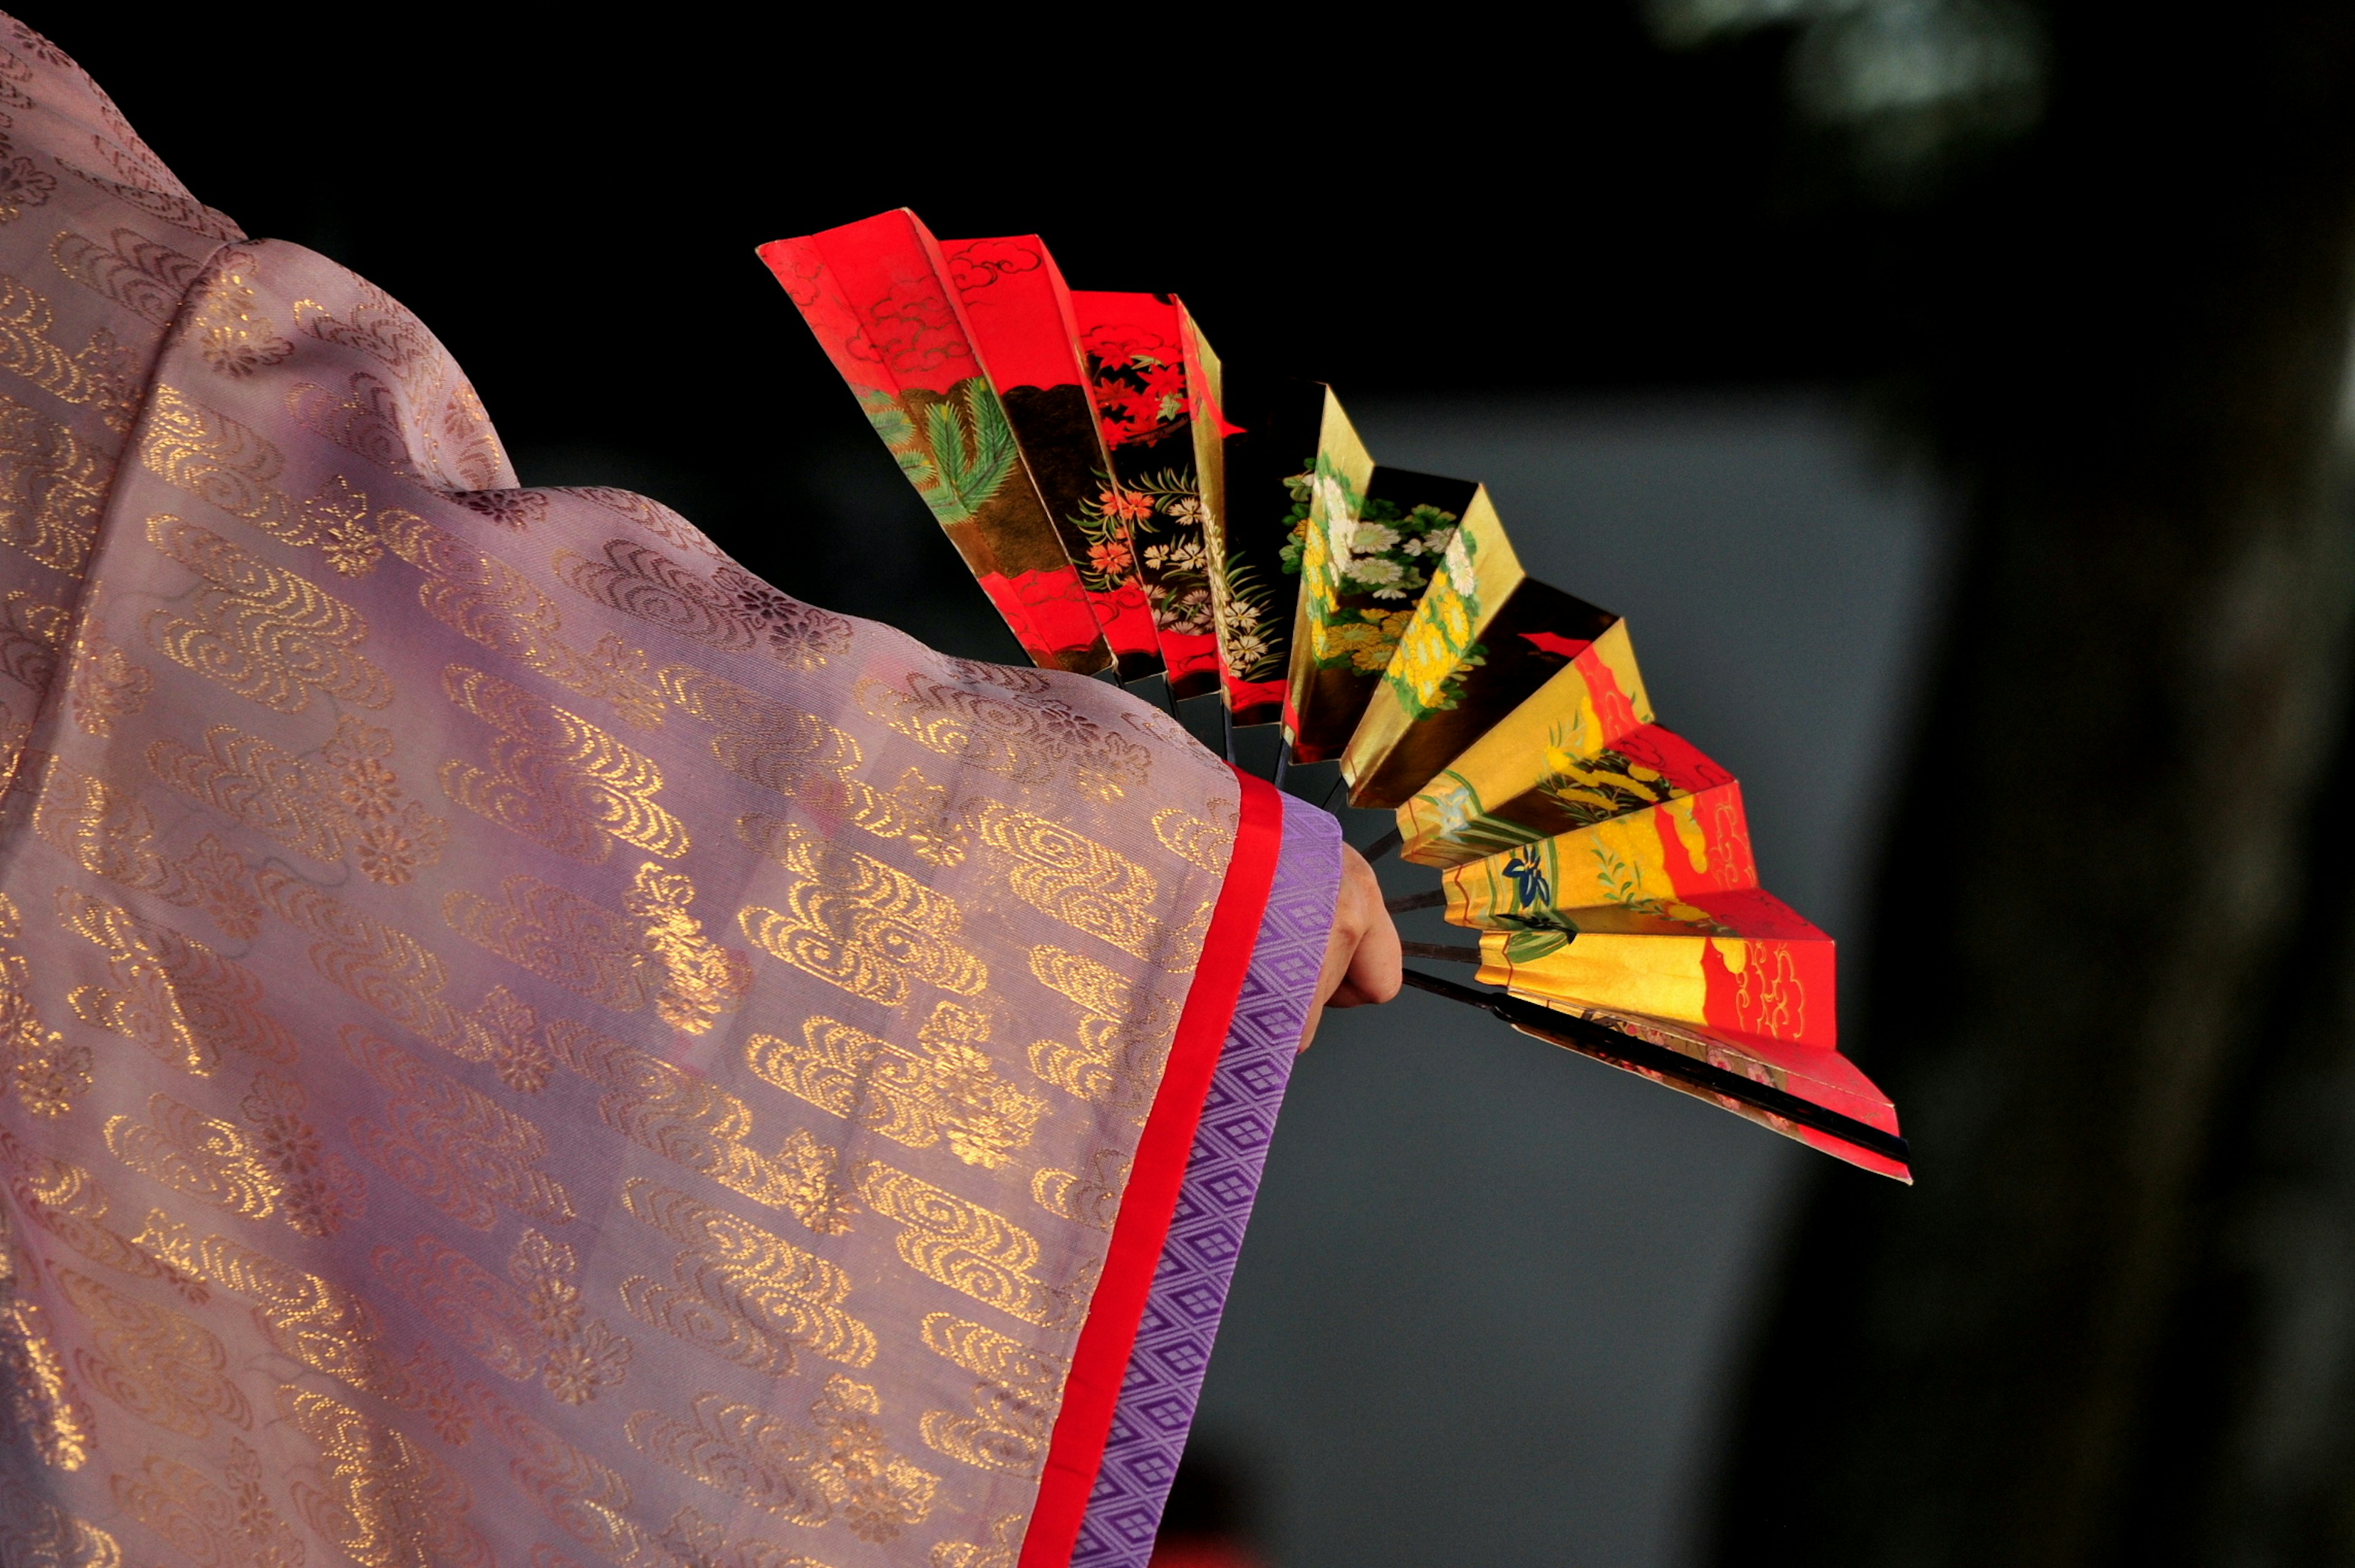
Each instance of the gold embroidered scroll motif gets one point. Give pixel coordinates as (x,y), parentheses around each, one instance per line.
(97,374)
(1009,1422)
(740,1291)
(261,631)
(160,1365)
(733,611)
(378,1494)
(555,778)
(344,799)
(946,1090)
(173,995)
(534,1325)
(1024,735)
(700,1127)
(46,1071)
(1003,1549)
(452,1146)
(41,1405)
(859,922)
(232,467)
(490,604)
(1120,1034)
(134,272)
(965,1247)
(652,954)
(39,1534)
(108,833)
(233,1525)
(838,1467)
(52,482)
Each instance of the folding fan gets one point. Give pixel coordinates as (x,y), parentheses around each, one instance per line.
(1133,511)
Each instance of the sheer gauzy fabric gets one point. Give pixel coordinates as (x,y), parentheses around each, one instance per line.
(525,1045)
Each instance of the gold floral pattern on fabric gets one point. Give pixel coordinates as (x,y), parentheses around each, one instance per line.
(1119,1034)
(274,1165)
(52,482)
(225,323)
(160,1365)
(491,604)
(838,1468)
(555,778)
(231,466)
(859,922)
(385,1500)
(98,373)
(733,611)
(263,631)
(233,1525)
(965,1246)
(108,833)
(944,1091)
(183,1001)
(652,954)
(740,1291)
(143,277)
(532,1325)
(702,1128)
(452,1146)
(1011,1417)
(1029,740)
(365,420)
(343,799)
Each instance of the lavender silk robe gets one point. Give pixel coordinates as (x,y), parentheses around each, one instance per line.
(521,1044)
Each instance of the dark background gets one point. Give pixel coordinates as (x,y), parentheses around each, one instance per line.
(1956,389)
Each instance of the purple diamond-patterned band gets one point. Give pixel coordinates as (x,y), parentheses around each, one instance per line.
(1214,1201)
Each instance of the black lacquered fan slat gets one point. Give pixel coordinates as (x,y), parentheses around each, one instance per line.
(1591,1038)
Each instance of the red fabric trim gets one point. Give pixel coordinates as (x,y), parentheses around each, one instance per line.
(1100,1365)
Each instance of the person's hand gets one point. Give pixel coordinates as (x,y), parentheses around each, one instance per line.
(1361,957)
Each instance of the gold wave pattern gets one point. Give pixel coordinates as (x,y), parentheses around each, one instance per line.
(946,1090)
(740,1291)
(1122,1042)
(235,468)
(1032,740)
(204,1158)
(41,1406)
(695,1124)
(230,1526)
(261,631)
(385,967)
(492,605)
(653,953)
(143,277)
(1014,1403)
(173,995)
(857,923)
(965,1247)
(107,832)
(839,1466)
(386,1501)
(534,1324)
(52,484)
(160,1366)
(733,611)
(39,1534)
(452,1146)
(557,779)
(97,376)
(69,1203)
(46,1071)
